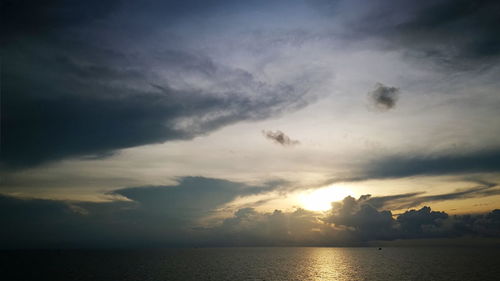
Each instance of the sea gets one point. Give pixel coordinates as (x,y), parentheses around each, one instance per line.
(253,263)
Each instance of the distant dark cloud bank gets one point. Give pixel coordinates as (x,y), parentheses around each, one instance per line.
(170,215)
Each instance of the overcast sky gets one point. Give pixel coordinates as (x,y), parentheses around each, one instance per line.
(240,122)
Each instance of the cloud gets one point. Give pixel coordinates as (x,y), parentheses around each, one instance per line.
(362,219)
(454,29)
(280,138)
(154,215)
(381,202)
(349,222)
(35,223)
(395,166)
(410,200)
(192,198)
(423,222)
(488,225)
(62,96)
(384,97)
(366,222)
(193,213)
(249,227)
(454,33)
(474,192)
(47,15)
(398,166)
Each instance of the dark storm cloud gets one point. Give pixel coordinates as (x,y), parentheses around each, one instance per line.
(280,138)
(483,161)
(63,96)
(453,32)
(384,97)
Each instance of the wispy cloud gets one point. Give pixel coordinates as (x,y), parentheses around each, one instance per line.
(410,200)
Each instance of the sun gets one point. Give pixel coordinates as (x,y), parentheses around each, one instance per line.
(321,199)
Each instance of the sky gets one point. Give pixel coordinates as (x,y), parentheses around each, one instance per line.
(298,122)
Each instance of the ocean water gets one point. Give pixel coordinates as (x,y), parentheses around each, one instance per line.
(272,263)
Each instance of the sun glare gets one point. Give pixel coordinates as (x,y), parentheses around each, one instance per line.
(321,199)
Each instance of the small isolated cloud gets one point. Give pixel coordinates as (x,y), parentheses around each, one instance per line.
(280,138)
(384,97)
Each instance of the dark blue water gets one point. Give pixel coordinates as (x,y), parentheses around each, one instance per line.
(255,264)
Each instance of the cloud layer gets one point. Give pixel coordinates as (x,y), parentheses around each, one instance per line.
(457,34)
(191,213)
(398,166)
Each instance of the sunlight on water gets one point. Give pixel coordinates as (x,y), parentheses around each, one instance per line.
(273,263)
(326,264)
